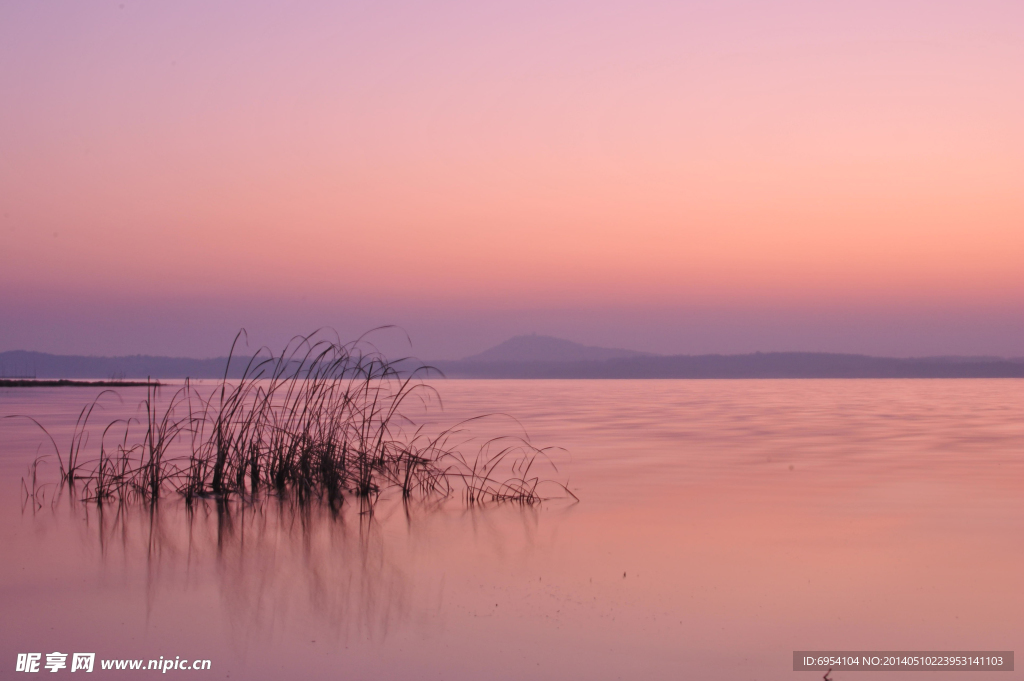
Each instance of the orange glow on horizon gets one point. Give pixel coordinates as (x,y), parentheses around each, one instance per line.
(517,156)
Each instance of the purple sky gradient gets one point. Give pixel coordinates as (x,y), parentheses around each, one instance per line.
(677,177)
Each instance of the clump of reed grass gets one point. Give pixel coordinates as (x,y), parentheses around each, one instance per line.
(320,420)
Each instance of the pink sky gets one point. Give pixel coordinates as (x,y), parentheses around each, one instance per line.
(675,177)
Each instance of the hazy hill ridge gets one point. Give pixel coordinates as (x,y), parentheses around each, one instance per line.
(756,365)
(548,357)
(20,363)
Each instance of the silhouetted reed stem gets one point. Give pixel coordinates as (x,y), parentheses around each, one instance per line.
(320,420)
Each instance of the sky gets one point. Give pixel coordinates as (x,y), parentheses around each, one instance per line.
(675,177)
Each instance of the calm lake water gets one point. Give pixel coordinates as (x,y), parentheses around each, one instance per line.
(721,526)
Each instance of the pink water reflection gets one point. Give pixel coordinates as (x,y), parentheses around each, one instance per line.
(723,524)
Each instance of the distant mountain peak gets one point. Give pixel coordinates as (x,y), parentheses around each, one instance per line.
(535,348)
